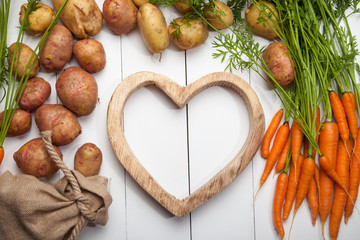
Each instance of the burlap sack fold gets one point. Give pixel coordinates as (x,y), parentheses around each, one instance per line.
(34,209)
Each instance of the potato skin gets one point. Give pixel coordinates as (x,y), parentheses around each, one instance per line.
(193,34)
(33,159)
(61,121)
(228,18)
(251,16)
(120,15)
(138,3)
(152,25)
(88,159)
(57,50)
(77,90)
(183,7)
(82,17)
(25,55)
(20,123)
(90,54)
(40,19)
(279,62)
(35,93)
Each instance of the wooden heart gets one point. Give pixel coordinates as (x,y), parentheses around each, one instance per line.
(181,96)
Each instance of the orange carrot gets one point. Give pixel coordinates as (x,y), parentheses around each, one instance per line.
(296,141)
(339,115)
(1,154)
(292,187)
(270,132)
(350,109)
(306,146)
(278,201)
(283,156)
(338,204)
(313,201)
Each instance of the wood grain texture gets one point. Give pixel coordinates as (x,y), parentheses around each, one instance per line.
(181,95)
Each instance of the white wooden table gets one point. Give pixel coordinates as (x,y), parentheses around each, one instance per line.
(175,145)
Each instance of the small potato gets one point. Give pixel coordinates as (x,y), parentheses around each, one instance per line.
(138,3)
(280,64)
(60,121)
(82,17)
(40,19)
(35,93)
(252,14)
(77,90)
(224,17)
(183,7)
(88,159)
(33,159)
(25,56)
(57,50)
(120,15)
(194,32)
(20,123)
(90,54)
(153,28)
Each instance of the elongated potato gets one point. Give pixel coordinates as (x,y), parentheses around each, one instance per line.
(153,28)
(88,159)
(20,123)
(35,93)
(40,19)
(25,56)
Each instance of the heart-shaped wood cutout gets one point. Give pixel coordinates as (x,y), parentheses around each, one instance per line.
(181,96)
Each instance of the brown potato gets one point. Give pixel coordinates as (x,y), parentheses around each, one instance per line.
(120,15)
(138,3)
(88,159)
(60,121)
(252,14)
(57,50)
(194,32)
(35,93)
(20,123)
(77,90)
(40,19)
(280,64)
(183,7)
(224,17)
(82,17)
(33,159)
(90,54)
(152,25)
(25,56)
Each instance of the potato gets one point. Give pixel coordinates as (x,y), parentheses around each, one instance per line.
(88,159)
(120,15)
(60,121)
(183,7)
(77,90)
(90,54)
(33,159)
(265,30)
(223,12)
(279,62)
(82,17)
(138,3)
(192,35)
(20,123)
(25,56)
(40,19)
(153,28)
(57,50)
(35,93)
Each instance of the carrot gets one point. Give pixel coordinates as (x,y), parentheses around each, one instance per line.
(270,132)
(296,141)
(313,201)
(350,109)
(278,201)
(283,156)
(292,187)
(306,147)
(1,154)
(338,205)
(339,115)
(330,171)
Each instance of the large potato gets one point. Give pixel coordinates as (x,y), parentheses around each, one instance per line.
(88,159)
(32,158)
(223,18)
(57,50)
(40,19)
(20,123)
(90,54)
(153,28)
(82,17)
(20,63)
(60,121)
(254,12)
(35,93)
(194,32)
(280,64)
(120,15)
(77,90)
